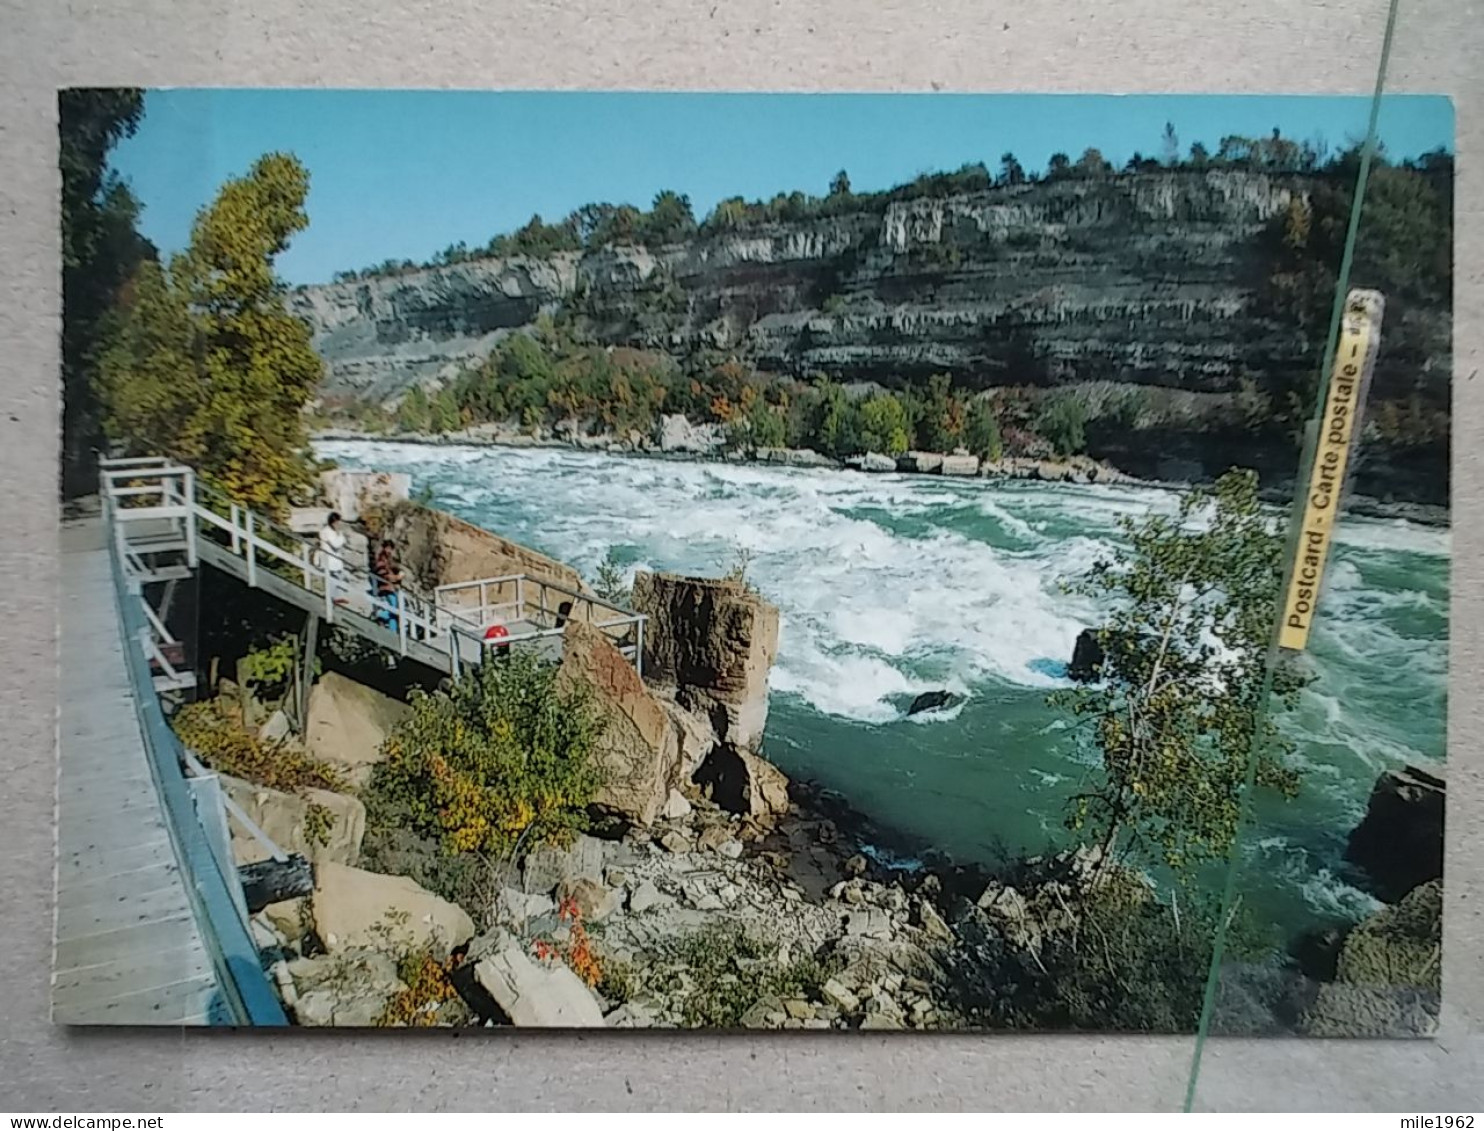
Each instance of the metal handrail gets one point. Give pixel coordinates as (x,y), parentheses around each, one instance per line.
(417,615)
(245,988)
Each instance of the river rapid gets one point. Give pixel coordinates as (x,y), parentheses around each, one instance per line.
(890,585)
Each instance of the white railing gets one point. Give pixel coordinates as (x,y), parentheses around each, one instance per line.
(530,608)
(166,507)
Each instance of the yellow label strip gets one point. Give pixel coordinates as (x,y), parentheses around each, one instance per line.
(1339,430)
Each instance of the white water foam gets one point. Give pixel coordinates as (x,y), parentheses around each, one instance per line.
(893,585)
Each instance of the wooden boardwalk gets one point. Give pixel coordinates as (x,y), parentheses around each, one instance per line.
(128,949)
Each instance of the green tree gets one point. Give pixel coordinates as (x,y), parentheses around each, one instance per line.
(940,425)
(982,431)
(1199,158)
(1092,164)
(840,184)
(1011,170)
(884,426)
(443,412)
(1063,424)
(759,425)
(1058,166)
(505,754)
(729,215)
(837,432)
(205,363)
(612,224)
(670,219)
(1178,708)
(414,412)
(609,583)
(101,250)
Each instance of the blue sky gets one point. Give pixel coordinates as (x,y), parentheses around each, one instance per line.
(402,174)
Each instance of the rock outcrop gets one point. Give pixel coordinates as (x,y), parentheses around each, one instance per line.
(742,782)
(639,748)
(1389,973)
(1153,278)
(438,549)
(353,908)
(534,993)
(349,989)
(333,836)
(1087,657)
(348,722)
(932,701)
(354,494)
(1399,842)
(676,434)
(975,284)
(711,643)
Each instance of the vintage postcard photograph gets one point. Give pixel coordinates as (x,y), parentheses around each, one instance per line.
(764,562)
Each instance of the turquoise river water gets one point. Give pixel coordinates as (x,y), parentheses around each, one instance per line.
(892,585)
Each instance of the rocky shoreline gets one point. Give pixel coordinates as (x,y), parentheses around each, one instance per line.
(1075,470)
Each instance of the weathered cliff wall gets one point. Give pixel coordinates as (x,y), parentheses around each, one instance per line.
(1150,277)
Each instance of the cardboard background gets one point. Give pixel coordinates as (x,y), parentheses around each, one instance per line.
(1259,46)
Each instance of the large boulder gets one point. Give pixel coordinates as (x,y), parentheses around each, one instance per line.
(1389,974)
(712,642)
(349,989)
(531,993)
(548,865)
(960,464)
(355,494)
(795,457)
(354,908)
(639,748)
(1399,842)
(920,463)
(677,434)
(1087,656)
(741,782)
(932,701)
(324,827)
(348,722)
(438,549)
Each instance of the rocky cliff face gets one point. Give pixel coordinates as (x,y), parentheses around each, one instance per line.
(1148,277)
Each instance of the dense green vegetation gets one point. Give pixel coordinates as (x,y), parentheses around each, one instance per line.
(501,757)
(551,380)
(100,251)
(203,362)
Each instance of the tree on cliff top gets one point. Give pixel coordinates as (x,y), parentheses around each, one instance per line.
(1178,705)
(100,251)
(204,363)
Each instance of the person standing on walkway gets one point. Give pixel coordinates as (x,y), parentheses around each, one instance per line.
(331,555)
(387,581)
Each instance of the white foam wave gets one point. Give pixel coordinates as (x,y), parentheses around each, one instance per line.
(890,586)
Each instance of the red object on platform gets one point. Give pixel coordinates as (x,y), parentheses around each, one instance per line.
(496,632)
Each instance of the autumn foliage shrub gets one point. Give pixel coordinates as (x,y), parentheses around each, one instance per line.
(210,730)
(501,756)
(576,950)
(429,988)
